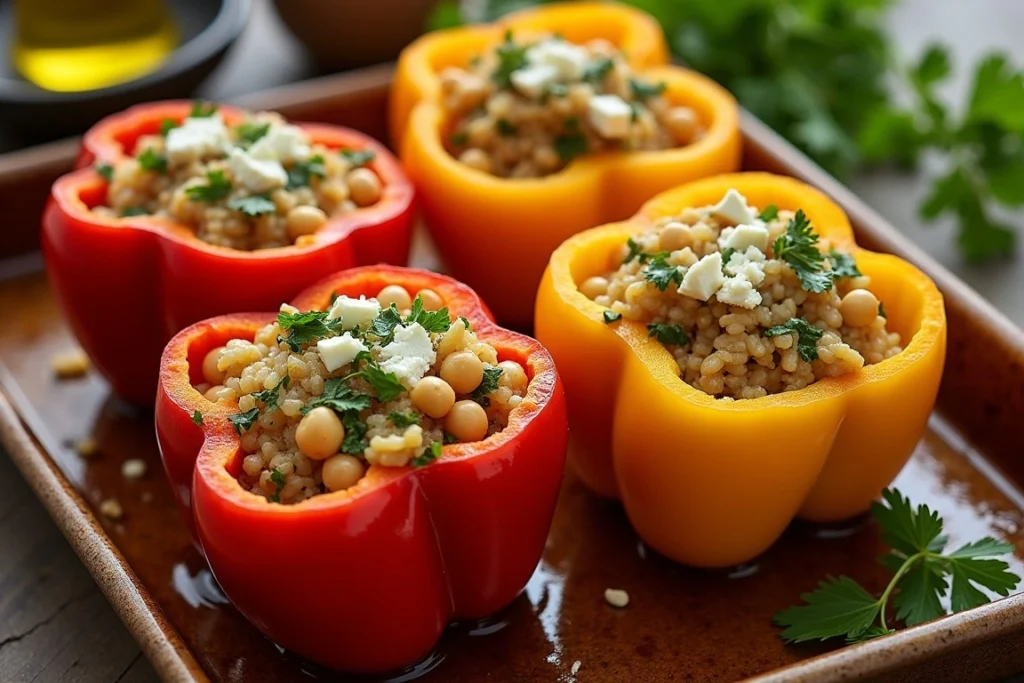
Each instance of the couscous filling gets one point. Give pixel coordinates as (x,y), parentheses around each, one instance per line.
(386,382)
(526,109)
(746,300)
(257,185)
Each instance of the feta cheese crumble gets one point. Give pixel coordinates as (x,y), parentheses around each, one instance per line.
(196,138)
(733,209)
(256,175)
(703,278)
(354,312)
(410,355)
(610,115)
(337,352)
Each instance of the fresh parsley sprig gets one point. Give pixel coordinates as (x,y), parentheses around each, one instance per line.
(256,205)
(217,187)
(488,385)
(807,336)
(798,247)
(301,173)
(511,57)
(923,574)
(668,334)
(661,273)
(429,455)
(304,328)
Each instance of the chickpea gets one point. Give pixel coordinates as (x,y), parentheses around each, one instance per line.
(594,287)
(859,308)
(433,396)
(463,371)
(363,186)
(476,158)
(304,220)
(431,300)
(341,472)
(319,434)
(211,394)
(466,421)
(395,294)
(675,236)
(513,376)
(210,372)
(682,124)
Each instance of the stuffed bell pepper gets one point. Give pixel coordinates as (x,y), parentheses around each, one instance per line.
(182,211)
(521,133)
(732,359)
(380,442)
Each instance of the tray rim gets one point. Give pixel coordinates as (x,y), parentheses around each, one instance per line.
(170,655)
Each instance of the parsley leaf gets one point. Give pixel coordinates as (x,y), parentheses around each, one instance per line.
(798,247)
(244,421)
(304,328)
(202,110)
(459,139)
(668,334)
(277,477)
(465,321)
(106,171)
(197,417)
(511,57)
(922,572)
(807,335)
(132,211)
(339,397)
(217,187)
(635,252)
(386,385)
(643,90)
(881,309)
(269,397)
(384,324)
(257,205)
(358,157)
(301,172)
(726,255)
(431,321)
(450,438)
(249,132)
(611,317)
(167,125)
(661,273)
(355,434)
(843,265)
(570,145)
(429,455)
(504,128)
(598,69)
(769,213)
(151,160)
(400,419)
(488,385)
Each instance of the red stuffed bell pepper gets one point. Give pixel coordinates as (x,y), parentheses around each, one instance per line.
(363,575)
(172,274)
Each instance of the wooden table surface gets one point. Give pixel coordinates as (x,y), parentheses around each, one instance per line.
(55,625)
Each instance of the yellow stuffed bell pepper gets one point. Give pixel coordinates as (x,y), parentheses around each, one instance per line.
(496,233)
(714,482)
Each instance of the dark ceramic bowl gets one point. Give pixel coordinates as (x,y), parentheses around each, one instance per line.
(207,28)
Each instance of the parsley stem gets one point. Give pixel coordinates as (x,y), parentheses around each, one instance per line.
(907,564)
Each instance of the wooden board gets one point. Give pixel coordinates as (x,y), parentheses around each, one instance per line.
(682,624)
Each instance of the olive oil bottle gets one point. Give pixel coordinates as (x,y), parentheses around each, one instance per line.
(74,45)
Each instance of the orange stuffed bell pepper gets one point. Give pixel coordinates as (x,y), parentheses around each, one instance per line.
(719,398)
(521,133)
(184,211)
(382,460)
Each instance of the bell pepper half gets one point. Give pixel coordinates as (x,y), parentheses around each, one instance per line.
(714,483)
(475,217)
(165,278)
(366,579)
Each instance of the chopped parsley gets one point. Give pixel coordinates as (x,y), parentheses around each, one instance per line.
(384,324)
(217,187)
(611,317)
(668,334)
(269,397)
(843,265)
(459,139)
(243,421)
(488,385)
(202,110)
(431,321)
(597,70)
(429,455)
(301,172)
(807,336)
(339,397)
(465,321)
(277,477)
(106,171)
(726,255)
(132,211)
(167,125)
(769,213)
(511,57)
(257,205)
(661,273)
(400,419)
(554,90)
(355,434)
(643,90)
(570,145)
(450,438)
(881,310)
(249,132)
(798,247)
(153,161)
(304,328)
(197,417)
(635,252)
(358,157)
(505,129)
(385,385)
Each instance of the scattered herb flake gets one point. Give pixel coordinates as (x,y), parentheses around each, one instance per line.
(643,90)
(843,265)
(726,255)
(249,132)
(358,157)
(257,205)
(429,455)
(269,397)
(202,110)
(106,171)
(302,172)
(807,336)
(152,161)
(488,385)
(217,187)
(668,334)
(132,211)
(661,273)
(197,417)
(465,321)
(384,324)
(505,129)
(406,419)
(881,310)
(355,434)
(386,385)
(243,421)
(598,69)
(635,252)
(459,139)
(769,213)
(339,397)
(449,438)
(304,328)
(167,125)
(611,317)
(511,57)
(570,145)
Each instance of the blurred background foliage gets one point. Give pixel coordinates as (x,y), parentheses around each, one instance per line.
(822,74)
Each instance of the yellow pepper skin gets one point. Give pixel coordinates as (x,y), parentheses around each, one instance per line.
(497,233)
(714,483)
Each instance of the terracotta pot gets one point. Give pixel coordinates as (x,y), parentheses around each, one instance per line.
(343,34)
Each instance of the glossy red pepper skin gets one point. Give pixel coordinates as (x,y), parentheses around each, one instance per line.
(365,580)
(128,284)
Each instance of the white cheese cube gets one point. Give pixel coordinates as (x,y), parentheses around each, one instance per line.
(745,235)
(257,175)
(610,115)
(534,80)
(410,355)
(338,352)
(197,138)
(285,143)
(703,278)
(354,312)
(739,291)
(733,209)
(569,60)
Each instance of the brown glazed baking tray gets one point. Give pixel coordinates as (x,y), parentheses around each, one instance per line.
(681,624)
